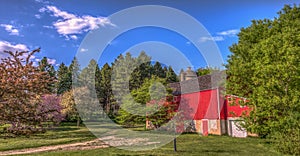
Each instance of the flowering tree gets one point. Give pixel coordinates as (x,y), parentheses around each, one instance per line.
(50,109)
(21,88)
(69,107)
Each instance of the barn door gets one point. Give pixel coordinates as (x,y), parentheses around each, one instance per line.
(236,129)
(205,127)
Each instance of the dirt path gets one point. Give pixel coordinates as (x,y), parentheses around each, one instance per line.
(74,146)
(94,144)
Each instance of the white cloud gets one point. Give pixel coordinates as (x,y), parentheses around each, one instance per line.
(47,26)
(215,38)
(38,16)
(42,9)
(11,29)
(58,13)
(7,46)
(71,24)
(74,37)
(231,32)
(83,50)
(51,61)
(42,1)
(4,45)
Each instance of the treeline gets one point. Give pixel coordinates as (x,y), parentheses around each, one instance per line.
(109,81)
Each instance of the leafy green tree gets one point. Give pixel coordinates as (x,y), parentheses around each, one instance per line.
(133,109)
(203,71)
(69,107)
(264,67)
(206,71)
(128,73)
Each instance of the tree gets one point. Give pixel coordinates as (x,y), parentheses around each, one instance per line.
(142,70)
(133,108)
(74,68)
(203,71)
(105,94)
(264,67)
(88,76)
(158,70)
(64,79)
(171,75)
(21,88)
(206,70)
(69,107)
(45,66)
(50,109)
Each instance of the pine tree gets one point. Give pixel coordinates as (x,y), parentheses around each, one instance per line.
(74,68)
(171,75)
(64,79)
(158,70)
(105,93)
(45,66)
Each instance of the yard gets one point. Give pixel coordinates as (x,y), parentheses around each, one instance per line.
(187,144)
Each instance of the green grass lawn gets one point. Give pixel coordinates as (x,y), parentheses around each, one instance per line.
(66,133)
(187,144)
(190,144)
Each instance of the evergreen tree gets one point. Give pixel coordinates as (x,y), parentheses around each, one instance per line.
(87,76)
(64,79)
(105,93)
(171,75)
(142,71)
(158,70)
(74,68)
(45,66)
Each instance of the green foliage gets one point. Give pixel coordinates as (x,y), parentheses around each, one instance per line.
(64,79)
(171,75)
(158,70)
(105,94)
(87,76)
(206,71)
(264,67)
(45,66)
(133,109)
(69,107)
(74,68)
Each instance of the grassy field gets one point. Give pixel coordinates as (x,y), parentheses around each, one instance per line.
(187,144)
(190,144)
(66,133)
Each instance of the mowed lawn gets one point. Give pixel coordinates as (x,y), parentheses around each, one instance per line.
(66,133)
(187,144)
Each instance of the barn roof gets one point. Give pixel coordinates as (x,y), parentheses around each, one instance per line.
(206,82)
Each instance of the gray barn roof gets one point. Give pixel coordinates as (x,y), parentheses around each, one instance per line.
(206,82)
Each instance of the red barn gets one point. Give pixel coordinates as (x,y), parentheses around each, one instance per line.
(212,111)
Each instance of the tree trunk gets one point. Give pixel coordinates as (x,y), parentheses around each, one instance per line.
(78,121)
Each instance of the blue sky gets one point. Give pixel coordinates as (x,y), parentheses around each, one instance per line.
(59,27)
